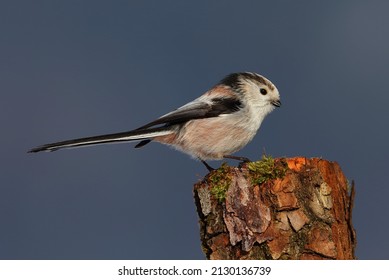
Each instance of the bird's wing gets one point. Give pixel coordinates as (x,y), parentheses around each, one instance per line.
(198,109)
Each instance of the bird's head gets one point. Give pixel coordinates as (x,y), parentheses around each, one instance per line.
(254,89)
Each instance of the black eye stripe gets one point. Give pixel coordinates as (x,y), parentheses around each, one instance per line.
(263,91)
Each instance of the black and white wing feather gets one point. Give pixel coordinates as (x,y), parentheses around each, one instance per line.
(197,109)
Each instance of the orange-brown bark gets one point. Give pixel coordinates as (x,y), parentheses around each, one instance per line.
(306,214)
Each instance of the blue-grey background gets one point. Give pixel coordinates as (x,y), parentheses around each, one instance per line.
(70,69)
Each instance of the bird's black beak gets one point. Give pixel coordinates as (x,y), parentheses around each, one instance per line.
(276,103)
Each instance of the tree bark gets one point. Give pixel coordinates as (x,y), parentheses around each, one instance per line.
(295,208)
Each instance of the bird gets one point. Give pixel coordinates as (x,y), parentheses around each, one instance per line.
(211,127)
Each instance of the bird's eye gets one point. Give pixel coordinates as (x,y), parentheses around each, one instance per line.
(263,91)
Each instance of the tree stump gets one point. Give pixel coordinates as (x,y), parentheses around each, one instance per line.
(295,208)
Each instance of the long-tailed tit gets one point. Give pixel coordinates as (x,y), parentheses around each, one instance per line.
(212,127)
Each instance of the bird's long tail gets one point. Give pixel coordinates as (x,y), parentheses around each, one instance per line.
(133,135)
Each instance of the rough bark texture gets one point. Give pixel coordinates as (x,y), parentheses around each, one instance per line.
(298,209)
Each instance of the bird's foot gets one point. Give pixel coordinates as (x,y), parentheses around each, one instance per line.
(242,159)
(207,166)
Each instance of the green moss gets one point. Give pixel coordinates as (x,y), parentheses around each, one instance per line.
(266,169)
(220,180)
(260,171)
